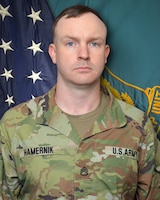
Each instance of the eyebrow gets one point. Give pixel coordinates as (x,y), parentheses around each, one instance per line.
(76,38)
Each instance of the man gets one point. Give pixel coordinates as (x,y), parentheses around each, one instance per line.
(76,142)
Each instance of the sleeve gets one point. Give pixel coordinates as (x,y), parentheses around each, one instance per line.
(4,191)
(154,190)
(9,186)
(151,170)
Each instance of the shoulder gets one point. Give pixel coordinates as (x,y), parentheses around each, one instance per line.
(138,116)
(29,111)
(22,111)
(131,111)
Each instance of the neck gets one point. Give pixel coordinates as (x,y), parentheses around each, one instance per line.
(77,101)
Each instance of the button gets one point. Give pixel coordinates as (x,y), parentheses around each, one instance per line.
(84,171)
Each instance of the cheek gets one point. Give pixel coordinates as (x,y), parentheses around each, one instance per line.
(65,58)
(63,62)
(99,60)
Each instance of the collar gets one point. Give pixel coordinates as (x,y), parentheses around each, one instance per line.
(46,112)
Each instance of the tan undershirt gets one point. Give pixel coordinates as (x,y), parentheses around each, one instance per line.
(83,122)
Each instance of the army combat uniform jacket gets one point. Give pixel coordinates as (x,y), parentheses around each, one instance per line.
(44,158)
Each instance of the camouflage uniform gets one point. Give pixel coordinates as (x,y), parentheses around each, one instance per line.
(43,156)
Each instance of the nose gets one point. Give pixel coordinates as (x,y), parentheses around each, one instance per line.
(83,52)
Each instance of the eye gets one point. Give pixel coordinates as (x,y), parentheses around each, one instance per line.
(70,44)
(94,44)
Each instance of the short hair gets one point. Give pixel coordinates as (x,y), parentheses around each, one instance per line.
(75,11)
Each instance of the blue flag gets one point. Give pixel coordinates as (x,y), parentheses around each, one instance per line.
(26,70)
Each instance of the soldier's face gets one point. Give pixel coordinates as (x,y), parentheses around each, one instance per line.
(80,49)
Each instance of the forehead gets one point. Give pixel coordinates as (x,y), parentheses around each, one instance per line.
(85,23)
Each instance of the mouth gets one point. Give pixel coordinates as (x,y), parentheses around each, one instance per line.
(83,68)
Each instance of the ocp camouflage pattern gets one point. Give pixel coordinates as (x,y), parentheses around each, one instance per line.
(44,158)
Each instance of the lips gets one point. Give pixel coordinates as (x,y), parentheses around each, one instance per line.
(83,68)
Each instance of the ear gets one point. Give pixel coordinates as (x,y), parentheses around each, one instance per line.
(107,51)
(52,52)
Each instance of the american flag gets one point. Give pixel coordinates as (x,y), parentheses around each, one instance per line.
(26,70)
